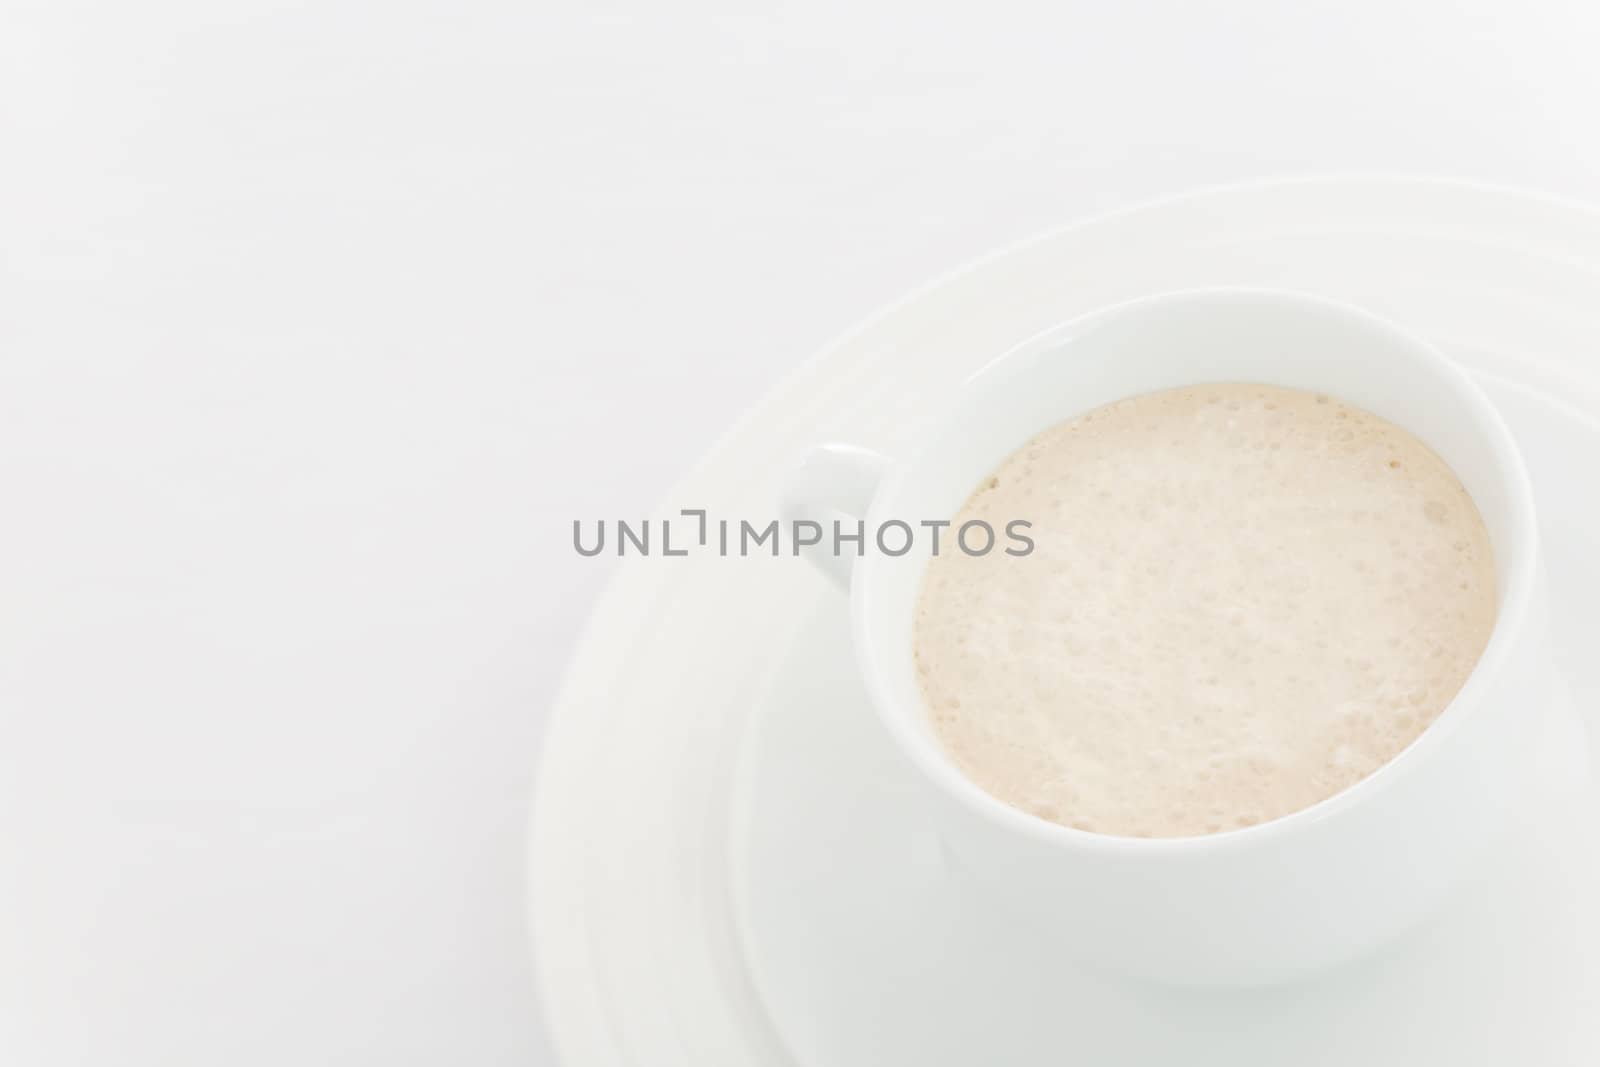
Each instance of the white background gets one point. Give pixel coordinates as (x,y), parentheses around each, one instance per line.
(319,323)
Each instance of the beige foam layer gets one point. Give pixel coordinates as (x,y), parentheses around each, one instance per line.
(1242,600)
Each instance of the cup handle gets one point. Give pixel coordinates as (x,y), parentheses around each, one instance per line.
(832,481)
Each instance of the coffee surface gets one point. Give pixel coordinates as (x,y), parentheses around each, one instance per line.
(1242,599)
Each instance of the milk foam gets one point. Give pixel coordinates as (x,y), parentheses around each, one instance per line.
(1242,599)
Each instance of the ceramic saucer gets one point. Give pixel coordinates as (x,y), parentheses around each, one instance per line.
(724,868)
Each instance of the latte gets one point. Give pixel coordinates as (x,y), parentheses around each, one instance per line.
(1242,599)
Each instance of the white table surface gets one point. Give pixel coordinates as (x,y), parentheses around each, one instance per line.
(319,323)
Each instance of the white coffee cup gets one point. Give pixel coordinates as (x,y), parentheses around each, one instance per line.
(1266,902)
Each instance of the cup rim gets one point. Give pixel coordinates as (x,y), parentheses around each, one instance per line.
(1519,570)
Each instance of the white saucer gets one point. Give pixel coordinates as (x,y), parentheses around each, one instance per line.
(637,886)
(869,949)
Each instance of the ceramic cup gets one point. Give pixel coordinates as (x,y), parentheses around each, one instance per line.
(1288,896)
